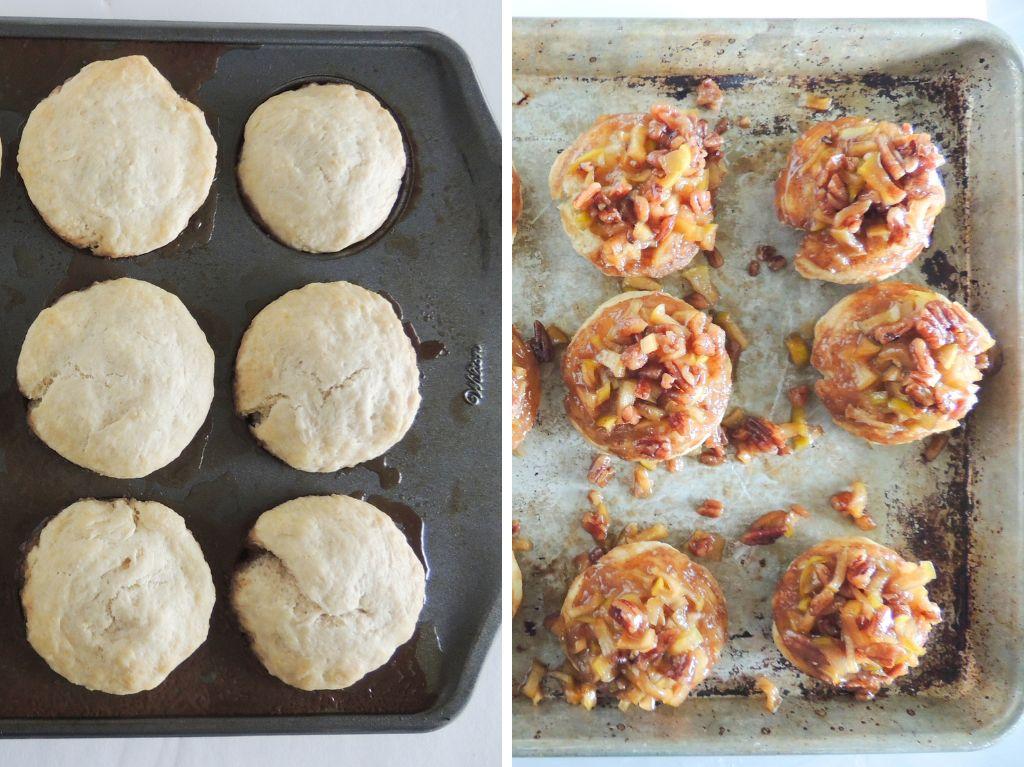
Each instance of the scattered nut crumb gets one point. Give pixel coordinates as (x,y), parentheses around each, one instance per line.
(601,470)
(541,344)
(768,528)
(934,446)
(597,520)
(754,268)
(711,507)
(722,125)
(558,336)
(532,688)
(772,696)
(817,102)
(743,122)
(715,259)
(709,95)
(697,301)
(799,351)
(706,545)
(641,482)
(853,504)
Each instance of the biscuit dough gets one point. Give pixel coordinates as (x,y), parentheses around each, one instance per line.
(334,589)
(322,166)
(119,377)
(116,594)
(115,160)
(327,377)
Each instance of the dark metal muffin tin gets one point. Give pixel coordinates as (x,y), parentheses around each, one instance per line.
(439,258)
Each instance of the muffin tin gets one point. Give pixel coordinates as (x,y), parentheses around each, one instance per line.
(438,258)
(958,80)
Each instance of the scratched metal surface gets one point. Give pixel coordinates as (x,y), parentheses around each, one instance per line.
(960,82)
(225,269)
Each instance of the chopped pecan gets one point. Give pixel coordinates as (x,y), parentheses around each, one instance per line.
(655,448)
(768,528)
(885,334)
(859,569)
(853,504)
(584,198)
(935,445)
(758,434)
(709,95)
(601,470)
(641,482)
(629,616)
(697,301)
(541,344)
(936,324)
(885,654)
(706,545)
(711,507)
(681,666)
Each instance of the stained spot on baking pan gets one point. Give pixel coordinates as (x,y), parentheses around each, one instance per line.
(938,528)
(940,273)
(681,86)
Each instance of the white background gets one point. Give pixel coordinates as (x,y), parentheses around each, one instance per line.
(1008,14)
(474,737)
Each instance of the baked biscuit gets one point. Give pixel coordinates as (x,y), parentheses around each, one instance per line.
(119,377)
(525,389)
(326,377)
(644,623)
(321,166)
(332,589)
(854,614)
(116,594)
(115,160)
(636,191)
(899,362)
(648,377)
(866,192)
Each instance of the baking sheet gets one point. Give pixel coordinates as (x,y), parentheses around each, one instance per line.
(960,81)
(439,483)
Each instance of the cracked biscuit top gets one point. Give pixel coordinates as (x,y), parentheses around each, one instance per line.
(116,594)
(332,589)
(327,377)
(119,377)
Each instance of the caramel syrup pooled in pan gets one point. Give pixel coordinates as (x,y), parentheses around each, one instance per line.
(425,350)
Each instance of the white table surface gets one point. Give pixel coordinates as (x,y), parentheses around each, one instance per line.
(1007,14)
(474,736)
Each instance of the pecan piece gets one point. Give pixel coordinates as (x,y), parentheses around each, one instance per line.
(712,508)
(706,545)
(709,95)
(601,470)
(768,528)
(629,616)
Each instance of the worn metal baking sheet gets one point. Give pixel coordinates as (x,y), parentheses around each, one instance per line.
(959,80)
(438,256)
